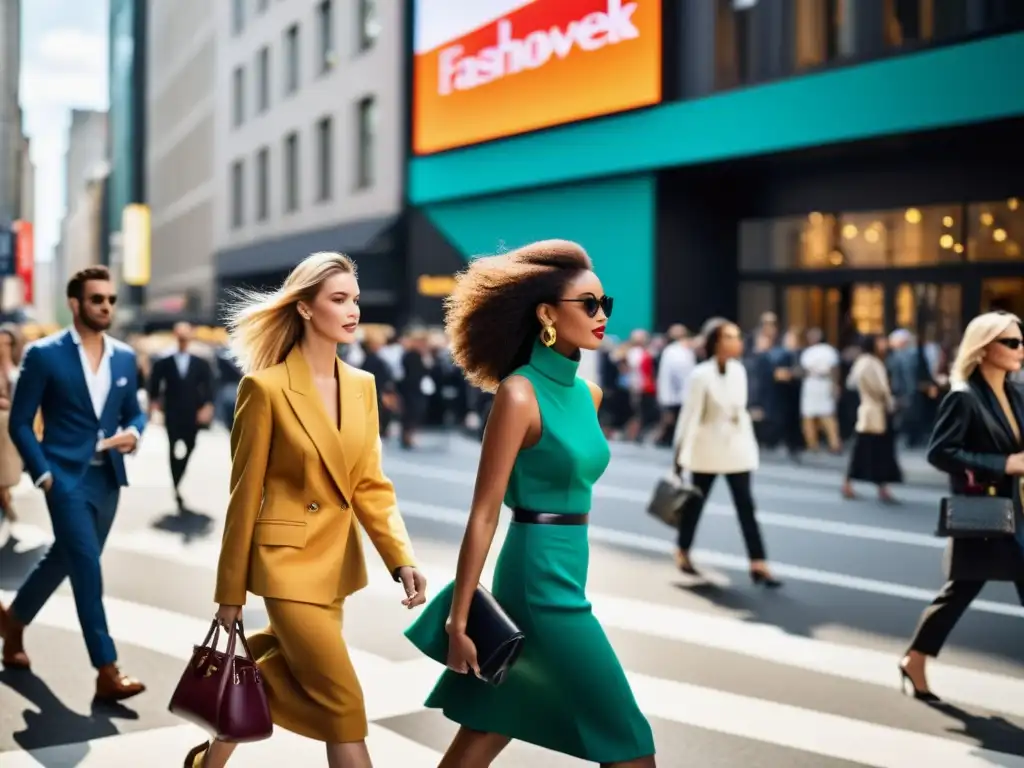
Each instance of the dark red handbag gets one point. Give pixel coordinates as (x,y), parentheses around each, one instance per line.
(223,693)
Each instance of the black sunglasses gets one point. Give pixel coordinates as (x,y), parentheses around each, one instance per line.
(1011,343)
(96,299)
(591,304)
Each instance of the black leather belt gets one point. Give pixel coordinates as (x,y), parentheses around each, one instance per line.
(548,518)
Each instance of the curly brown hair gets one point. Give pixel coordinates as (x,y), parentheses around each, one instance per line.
(491,315)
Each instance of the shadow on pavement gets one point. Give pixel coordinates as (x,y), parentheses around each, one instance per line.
(188,524)
(55,723)
(990,731)
(15,565)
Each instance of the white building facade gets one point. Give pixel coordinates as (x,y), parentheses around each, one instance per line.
(310,138)
(181,64)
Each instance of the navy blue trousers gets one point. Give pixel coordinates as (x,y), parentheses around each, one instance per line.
(81,512)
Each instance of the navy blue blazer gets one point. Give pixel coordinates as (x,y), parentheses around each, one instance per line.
(52,378)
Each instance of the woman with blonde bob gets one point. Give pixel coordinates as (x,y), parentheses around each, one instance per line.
(305,469)
(978,440)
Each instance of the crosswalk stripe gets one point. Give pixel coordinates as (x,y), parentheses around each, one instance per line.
(172,744)
(636,541)
(755,640)
(397,688)
(641,498)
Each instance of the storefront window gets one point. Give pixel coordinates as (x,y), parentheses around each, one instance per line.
(904,237)
(932,311)
(761,40)
(755,300)
(1003,293)
(995,231)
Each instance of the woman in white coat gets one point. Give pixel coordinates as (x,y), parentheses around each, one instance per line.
(715,436)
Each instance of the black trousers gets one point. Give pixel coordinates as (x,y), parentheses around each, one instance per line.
(945,611)
(742,499)
(178,464)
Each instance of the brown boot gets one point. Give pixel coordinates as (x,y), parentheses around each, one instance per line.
(11,631)
(111,685)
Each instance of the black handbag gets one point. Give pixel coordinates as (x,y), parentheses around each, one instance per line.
(670,499)
(983,516)
(497,639)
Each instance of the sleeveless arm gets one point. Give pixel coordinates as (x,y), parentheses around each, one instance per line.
(373,498)
(250,451)
(515,407)
(596,394)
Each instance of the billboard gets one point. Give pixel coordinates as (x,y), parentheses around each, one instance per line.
(486,69)
(25,258)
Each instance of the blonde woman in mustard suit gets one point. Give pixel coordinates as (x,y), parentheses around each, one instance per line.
(305,475)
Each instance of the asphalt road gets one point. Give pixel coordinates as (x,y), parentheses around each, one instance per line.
(728,674)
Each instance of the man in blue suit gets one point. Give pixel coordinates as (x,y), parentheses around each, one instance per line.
(85,383)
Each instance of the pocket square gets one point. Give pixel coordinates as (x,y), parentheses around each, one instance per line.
(122,381)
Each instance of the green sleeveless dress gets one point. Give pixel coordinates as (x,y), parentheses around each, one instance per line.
(567,691)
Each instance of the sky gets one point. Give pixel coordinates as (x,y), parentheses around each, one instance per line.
(63,66)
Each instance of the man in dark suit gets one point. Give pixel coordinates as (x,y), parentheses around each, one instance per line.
(84,383)
(181,384)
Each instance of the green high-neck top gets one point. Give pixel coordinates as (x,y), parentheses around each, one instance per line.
(558,473)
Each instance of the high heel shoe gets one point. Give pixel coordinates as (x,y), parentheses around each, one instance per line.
(762,579)
(683,564)
(926,696)
(190,758)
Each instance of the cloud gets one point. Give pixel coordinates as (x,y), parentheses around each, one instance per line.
(73,47)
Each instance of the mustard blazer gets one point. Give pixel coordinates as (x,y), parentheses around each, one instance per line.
(296,482)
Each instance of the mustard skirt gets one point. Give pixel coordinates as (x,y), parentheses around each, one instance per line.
(311,683)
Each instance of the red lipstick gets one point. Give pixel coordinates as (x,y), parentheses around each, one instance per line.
(599,331)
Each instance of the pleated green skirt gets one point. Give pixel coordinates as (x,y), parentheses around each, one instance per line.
(567,691)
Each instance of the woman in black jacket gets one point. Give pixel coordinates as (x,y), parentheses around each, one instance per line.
(978,439)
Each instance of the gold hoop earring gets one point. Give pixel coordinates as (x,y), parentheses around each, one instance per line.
(548,335)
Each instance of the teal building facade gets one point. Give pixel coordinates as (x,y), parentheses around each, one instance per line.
(849,166)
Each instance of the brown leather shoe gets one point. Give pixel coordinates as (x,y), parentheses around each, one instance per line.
(11,631)
(111,685)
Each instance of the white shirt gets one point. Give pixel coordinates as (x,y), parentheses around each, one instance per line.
(677,363)
(98,383)
(817,394)
(181,359)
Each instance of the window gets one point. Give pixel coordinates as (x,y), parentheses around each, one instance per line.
(903,237)
(291,59)
(995,231)
(367,131)
(263,184)
(369,27)
(325,28)
(291,173)
(238,96)
(237,16)
(263,80)
(324,159)
(237,194)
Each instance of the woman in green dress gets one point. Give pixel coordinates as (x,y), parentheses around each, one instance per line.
(517,322)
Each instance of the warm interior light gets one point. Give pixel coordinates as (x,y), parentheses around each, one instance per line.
(946,241)
(871,235)
(987,219)
(913,216)
(958,248)
(850,231)
(999,235)
(947,221)
(1013,203)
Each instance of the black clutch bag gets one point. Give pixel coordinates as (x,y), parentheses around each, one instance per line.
(497,639)
(670,499)
(983,516)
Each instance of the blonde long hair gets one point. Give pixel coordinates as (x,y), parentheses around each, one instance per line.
(264,326)
(980,332)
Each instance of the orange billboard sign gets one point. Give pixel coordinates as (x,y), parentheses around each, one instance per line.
(486,69)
